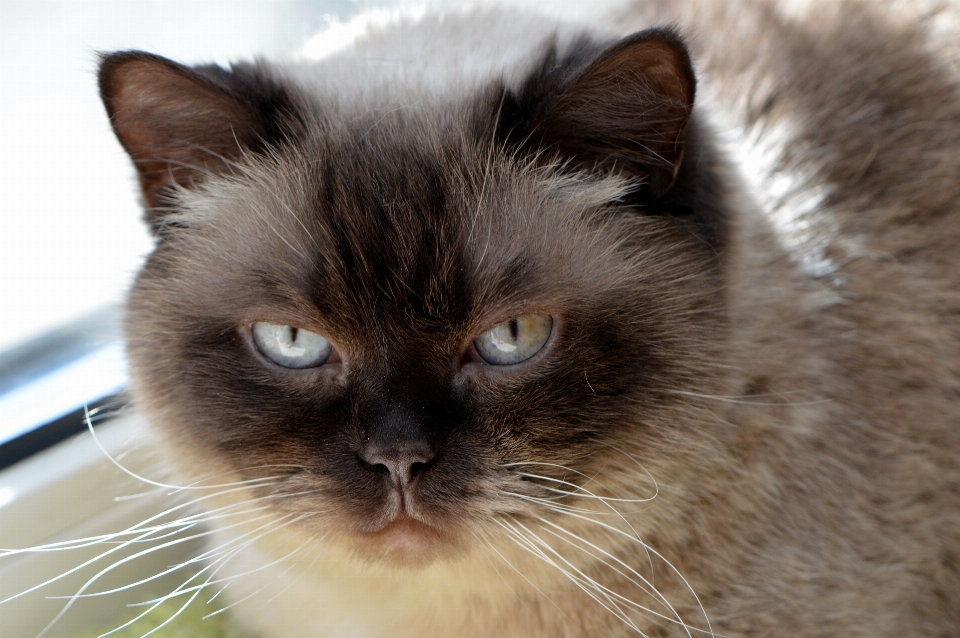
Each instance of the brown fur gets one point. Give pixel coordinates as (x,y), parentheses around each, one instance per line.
(787,374)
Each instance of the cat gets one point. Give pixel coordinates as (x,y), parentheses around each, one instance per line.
(504,326)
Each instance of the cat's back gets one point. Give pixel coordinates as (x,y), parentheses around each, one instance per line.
(845,116)
(843,119)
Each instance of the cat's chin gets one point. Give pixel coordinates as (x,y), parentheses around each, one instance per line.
(405,542)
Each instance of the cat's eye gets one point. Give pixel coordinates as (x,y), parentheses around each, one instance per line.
(515,340)
(291,347)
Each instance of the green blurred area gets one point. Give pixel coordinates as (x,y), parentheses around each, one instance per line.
(189,623)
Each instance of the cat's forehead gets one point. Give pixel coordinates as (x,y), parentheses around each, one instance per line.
(399,212)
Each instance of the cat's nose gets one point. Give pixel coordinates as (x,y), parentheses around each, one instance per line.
(399,464)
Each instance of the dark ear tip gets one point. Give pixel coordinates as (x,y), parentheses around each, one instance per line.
(664,45)
(110,61)
(110,69)
(116,65)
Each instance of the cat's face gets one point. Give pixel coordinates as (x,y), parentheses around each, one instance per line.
(413,324)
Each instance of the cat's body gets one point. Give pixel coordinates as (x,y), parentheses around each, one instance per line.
(752,379)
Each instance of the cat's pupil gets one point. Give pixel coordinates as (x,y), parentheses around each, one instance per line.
(514,329)
(287,342)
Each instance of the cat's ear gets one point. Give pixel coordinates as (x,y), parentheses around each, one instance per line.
(181,124)
(624,109)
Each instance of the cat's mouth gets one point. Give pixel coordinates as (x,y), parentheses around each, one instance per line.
(405,541)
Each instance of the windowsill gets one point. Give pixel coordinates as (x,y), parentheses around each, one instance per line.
(92,377)
(72,491)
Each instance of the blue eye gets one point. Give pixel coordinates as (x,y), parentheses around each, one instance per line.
(291,347)
(515,340)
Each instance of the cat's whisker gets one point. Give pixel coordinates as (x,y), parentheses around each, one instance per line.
(81,566)
(300,575)
(215,566)
(132,497)
(553,507)
(155,576)
(213,514)
(553,504)
(531,546)
(255,482)
(493,548)
(571,511)
(253,571)
(212,552)
(647,588)
(635,538)
(76,596)
(579,491)
(157,604)
(636,461)
(171,618)
(534,545)
(79,594)
(585,493)
(184,522)
(608,503)
(178,529)
(644,585)
(87,418)
(230,548)
(224,557)
(750,399)
(135,529)
(488,163)
(580,488)
(215,561)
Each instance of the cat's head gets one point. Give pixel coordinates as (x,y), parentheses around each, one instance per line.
(406,324)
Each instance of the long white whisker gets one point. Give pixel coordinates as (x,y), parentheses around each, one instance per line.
(656,486)
(196,485)
(89,423)
(81,566)
(523,576)
(79,593)
(172,617)
(551,504)
(646,586)
(635,538)
(292,582)
(136,618)
(531,547)
(74,598)
(232,551)
(600,589)
(135,529)
(619,515)
(199,517)
(746,400)
(161,574)
(253,571)
(580,491)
